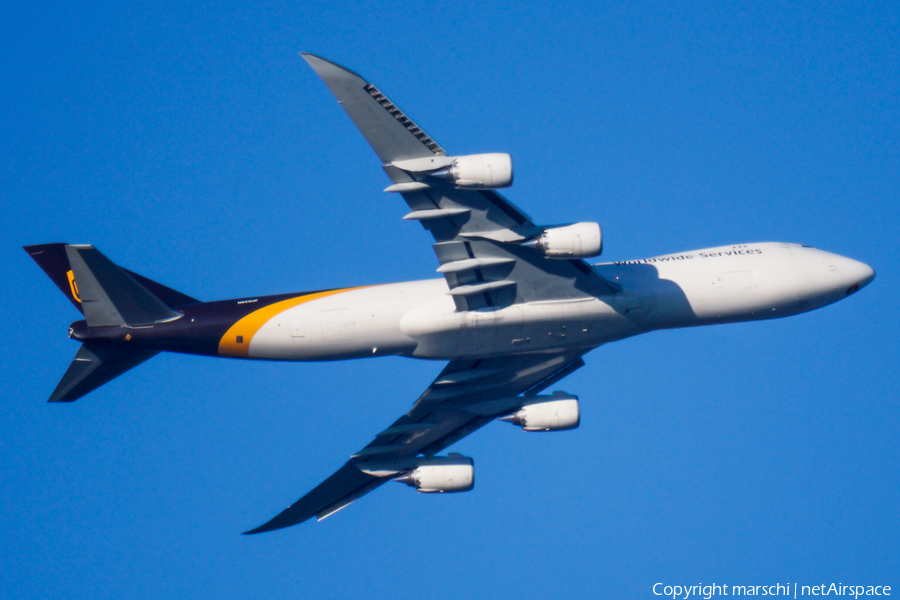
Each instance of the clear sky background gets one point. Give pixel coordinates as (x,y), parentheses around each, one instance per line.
(192,144)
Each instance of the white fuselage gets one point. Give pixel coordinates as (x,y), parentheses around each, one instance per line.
(703,287)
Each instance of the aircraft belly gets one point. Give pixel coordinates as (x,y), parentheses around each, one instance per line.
(441,332)
(420,319)
(359,323)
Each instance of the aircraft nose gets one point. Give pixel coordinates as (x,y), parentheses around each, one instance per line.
(858,274)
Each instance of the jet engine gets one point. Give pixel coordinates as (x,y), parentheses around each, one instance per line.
(478,171)
(558,414)
(439,474)
(581,240)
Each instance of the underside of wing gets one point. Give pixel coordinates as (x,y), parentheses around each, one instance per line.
(492,256)
(484,243)
(333,494)
(388,130)
(465,396)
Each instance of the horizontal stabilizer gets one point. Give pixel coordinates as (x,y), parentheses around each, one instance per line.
(110,296)
(94,365)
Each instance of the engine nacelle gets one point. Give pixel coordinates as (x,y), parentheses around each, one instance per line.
(559,414)
(581,240)
(441,474)
(479,171)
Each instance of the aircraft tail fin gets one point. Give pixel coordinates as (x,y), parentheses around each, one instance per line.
(105,293)
(52,259)
(94,365)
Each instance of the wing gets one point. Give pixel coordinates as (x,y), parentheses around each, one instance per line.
(477,233)
(465,396)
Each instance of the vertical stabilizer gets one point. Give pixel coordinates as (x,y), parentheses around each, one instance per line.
(110,296)
(54,261)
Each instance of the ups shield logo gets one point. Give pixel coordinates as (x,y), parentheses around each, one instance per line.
(73,286)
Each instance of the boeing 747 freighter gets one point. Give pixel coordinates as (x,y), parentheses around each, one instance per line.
(515,310)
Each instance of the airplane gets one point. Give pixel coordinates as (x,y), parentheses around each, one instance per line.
(516,308)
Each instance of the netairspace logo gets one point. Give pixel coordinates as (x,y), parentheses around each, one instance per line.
(788,590)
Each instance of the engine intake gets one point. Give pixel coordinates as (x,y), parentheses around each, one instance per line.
(441,474)
(581,240)
(559,414)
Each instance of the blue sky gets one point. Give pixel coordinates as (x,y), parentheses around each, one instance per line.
(193,145)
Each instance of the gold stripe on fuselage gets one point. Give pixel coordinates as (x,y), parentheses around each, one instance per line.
(236,341)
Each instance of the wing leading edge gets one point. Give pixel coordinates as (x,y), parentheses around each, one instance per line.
(466,396)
